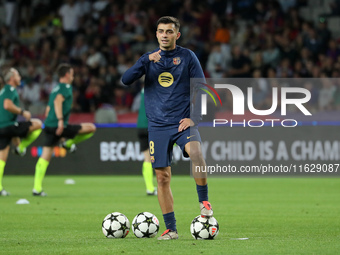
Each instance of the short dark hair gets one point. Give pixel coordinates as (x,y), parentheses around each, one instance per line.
(63,69)
(169,20)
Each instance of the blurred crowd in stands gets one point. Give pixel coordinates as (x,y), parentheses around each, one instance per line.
(103,38)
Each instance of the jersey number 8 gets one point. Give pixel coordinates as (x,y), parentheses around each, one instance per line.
(152,147)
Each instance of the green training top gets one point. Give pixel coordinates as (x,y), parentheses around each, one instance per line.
(142,121)
(66,91)
(7,118)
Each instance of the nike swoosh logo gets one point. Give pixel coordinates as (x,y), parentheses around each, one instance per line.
(188,137)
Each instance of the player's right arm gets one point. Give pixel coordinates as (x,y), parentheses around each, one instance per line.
(58,108)
(136,71)
(11,107)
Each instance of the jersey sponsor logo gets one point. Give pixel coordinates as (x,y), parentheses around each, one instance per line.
(188,137)
(165,79)
(176,61)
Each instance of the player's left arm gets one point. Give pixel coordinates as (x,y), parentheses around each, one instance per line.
(195,71)
(184,124)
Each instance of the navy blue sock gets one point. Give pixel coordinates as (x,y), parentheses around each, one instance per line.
(202,192)
(170,221)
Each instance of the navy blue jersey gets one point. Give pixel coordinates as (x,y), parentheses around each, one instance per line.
(167,86)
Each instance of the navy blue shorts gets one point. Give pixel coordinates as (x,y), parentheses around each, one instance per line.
(161,144)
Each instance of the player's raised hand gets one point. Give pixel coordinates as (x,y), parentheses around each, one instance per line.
(184,124)
(26,115)
(155,57)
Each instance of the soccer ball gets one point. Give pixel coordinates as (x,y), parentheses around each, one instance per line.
(204,228)
(145,225)
(116,225)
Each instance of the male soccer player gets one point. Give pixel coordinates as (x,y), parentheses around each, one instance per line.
(56,125)
(21,133)
(168,70)
(142,125)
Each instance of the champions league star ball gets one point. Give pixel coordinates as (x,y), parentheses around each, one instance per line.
(145,225)
(204,228)
(116,225)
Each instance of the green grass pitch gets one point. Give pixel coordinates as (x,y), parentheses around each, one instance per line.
(279,216)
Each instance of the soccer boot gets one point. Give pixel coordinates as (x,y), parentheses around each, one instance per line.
(39,194)
(71,149)
(17,152)
(206,209)
(153,193)
(4,193)
(168,235)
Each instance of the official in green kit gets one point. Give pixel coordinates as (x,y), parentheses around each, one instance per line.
(56,125)
(21,134)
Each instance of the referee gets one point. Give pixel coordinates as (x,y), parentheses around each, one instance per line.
(22,133)
(57,128)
